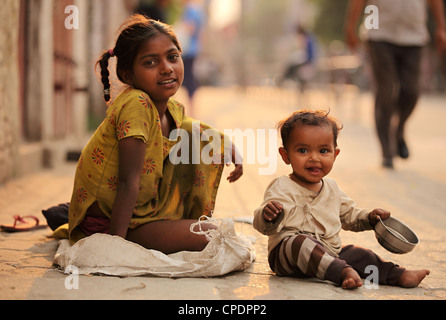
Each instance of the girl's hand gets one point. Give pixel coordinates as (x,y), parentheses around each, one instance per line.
(237,160)
(375,214)
(272,211)
(236,174)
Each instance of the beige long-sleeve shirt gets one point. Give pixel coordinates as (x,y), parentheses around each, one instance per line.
(321,215)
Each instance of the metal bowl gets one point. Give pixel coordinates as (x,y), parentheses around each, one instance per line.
(395,236)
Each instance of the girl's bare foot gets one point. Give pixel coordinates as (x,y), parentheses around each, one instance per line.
(412,278)
(350,279)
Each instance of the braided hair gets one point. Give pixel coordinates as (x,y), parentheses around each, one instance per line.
(105,74)
(136,31)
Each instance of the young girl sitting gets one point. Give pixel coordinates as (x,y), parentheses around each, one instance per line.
(125,183)
(304,212)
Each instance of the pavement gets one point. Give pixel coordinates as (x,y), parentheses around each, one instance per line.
(414,192)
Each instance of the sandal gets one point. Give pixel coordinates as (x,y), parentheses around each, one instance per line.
(20,224)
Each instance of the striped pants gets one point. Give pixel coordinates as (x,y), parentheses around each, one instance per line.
(303,256)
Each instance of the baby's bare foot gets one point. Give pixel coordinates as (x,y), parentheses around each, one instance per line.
(350,279)
(412,278)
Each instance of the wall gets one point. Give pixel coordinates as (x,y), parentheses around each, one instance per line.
(9,88)
(48,87)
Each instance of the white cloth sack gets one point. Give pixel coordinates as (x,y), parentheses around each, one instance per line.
(115,256)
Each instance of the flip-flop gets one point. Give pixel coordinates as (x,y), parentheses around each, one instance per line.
(21,225)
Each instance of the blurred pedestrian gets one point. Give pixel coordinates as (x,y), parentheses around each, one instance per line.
(301,63)
(125,183)
(154,9)
(189,31)
(395,49)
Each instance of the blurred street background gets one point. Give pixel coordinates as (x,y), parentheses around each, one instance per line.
(50,95)
(51,101)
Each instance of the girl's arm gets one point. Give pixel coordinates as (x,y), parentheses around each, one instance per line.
(131,163)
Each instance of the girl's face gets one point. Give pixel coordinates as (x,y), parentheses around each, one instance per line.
(311,153)
(158,69)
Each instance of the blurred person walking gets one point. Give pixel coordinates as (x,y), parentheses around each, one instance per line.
(301,65)
(395,50)
(155,9)
(189,33)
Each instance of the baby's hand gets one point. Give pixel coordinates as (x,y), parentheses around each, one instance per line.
(375,214)
(272,211)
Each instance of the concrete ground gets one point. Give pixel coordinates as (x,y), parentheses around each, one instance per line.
(414,192)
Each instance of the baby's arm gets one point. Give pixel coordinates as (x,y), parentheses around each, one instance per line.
(272,210)
(376,213)
(271,215)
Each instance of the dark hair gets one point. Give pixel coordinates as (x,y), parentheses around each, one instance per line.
(135,31)
(309,118)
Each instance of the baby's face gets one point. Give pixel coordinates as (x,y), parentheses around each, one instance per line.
(311,153)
